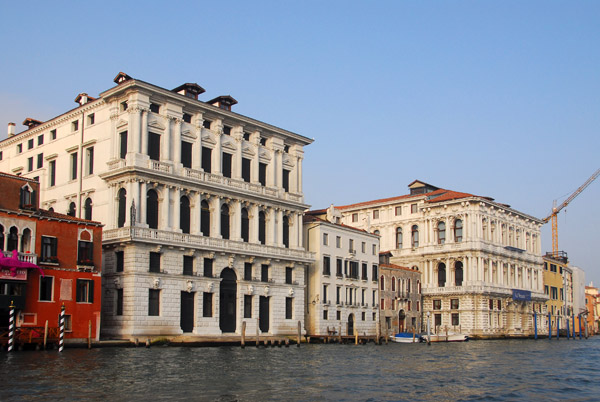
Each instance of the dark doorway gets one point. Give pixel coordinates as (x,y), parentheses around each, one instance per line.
(351,324)
(263,323)
(187,311)
(227,296)
(401,318)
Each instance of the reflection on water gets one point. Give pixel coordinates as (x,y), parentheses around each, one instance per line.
(475,371)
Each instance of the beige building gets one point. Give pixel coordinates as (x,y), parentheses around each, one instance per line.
(202,207)
(480,259)
(341,284)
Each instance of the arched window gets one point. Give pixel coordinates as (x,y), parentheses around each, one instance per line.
(262,227)
(409,306)
(377,233)
(398,237)
(1,237)
(225,221)
(286,232)
(458,273)
(88,209)
(441,275)
(441,227)
(50,209)
(72,208)
(245,225)
(122,201)
(26,241)
(205,218)
(184,214)
(458,230)
(418,287)
(382,282)
(13,239)
(26,197)
(152,209)
(414,236)
(393,283)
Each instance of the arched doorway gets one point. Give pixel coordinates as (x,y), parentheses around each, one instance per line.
(351,324)
(401,318)
(227,304)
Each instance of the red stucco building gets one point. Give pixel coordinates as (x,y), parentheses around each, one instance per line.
(67,249)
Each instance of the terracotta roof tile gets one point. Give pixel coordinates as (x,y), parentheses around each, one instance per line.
(394,266)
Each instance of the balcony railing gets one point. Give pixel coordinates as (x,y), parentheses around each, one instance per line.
(27,257)
(186,240)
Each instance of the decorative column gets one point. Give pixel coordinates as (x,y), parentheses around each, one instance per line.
(195,206)
(144,132)
(253,210)
(165,206)
(177,141)
(165,139)
(238,136)
(176,223)
(299,171)
(197,147)
(216,154)
(279,228)
(235,220)
(255,141)
(143,202)
(114,135)
(215,213)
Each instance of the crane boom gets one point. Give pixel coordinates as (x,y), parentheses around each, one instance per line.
(556,210)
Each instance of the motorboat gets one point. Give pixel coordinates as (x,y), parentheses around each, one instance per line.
(448,337)
(405,337)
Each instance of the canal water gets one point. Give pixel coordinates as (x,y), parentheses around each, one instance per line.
(507,370)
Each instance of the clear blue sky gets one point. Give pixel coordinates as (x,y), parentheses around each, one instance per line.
(500,99)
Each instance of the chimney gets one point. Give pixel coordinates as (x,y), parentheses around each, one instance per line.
(190,89)
(31,123)
(224,102)
(11,129)
(83,98)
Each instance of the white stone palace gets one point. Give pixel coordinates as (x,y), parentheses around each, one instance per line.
(202,207)
(480,259)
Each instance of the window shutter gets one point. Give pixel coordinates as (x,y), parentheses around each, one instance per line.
(91,299)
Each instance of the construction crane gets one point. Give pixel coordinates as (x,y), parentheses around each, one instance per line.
(556,210)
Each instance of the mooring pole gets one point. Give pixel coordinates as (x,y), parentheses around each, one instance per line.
(534,325)
(45,334)
(568,332)
(573,322)
(557,326)
(61,341)
(90,334)
(428,329)
(11,326)
(257,331)
(586,326)
(549,326)
(299,332)
(243,334)
(580,330)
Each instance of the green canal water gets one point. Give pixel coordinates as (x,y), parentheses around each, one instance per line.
(507,370)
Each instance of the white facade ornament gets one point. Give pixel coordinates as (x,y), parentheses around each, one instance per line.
(291,292)
(189,286)
(250,289)
(266,290)
(156,283)
(210,287)
(117,282)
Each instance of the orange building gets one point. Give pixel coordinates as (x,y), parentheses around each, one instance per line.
(68,251)
(591,303)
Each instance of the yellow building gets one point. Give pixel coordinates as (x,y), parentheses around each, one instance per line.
(558,288)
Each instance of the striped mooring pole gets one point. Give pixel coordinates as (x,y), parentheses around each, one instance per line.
(61,342)
(11,327)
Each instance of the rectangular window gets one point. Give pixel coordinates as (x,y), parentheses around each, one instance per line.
(382,304)
(46,283)
(89,160)
(499,304)
(206,124)
(246,170)
(355,217)
(364,272)
(1,155)
(186,154)
(49,248)
(226,165)
(30,164)
(91,119)
(207,309)
(75,125)
(154,302)
(363,247)
(285,180)
(354,269)
(289,275)
(262,173)
(325,315)
(325,239)
(376,214)
(288,308)
(351,245)
(122,144)
(206,159)
(338,268)
(338,242)
(154,262)
(374,275)
(154,146)
(52,174)
(119,302)
(374,249)
(338,292)
(264,273)
(491,304)
(247,306)
(155,108)
(30,143)
(120,261)
(187,117)
(188,265)
(454,304)
(437,304)
(398,211)
(338,315)
(247,271)
(226,130)
(52,134)
(41,139)
(40,161)
(324,295)
(326,266)
(413,208)
(437,320)
(85,291)
(74,166)
(85,253)
(208,267)
(455,320)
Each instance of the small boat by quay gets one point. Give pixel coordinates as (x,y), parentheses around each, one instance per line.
(405,337)
(448,337)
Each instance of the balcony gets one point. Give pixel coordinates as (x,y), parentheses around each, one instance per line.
(26,257)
